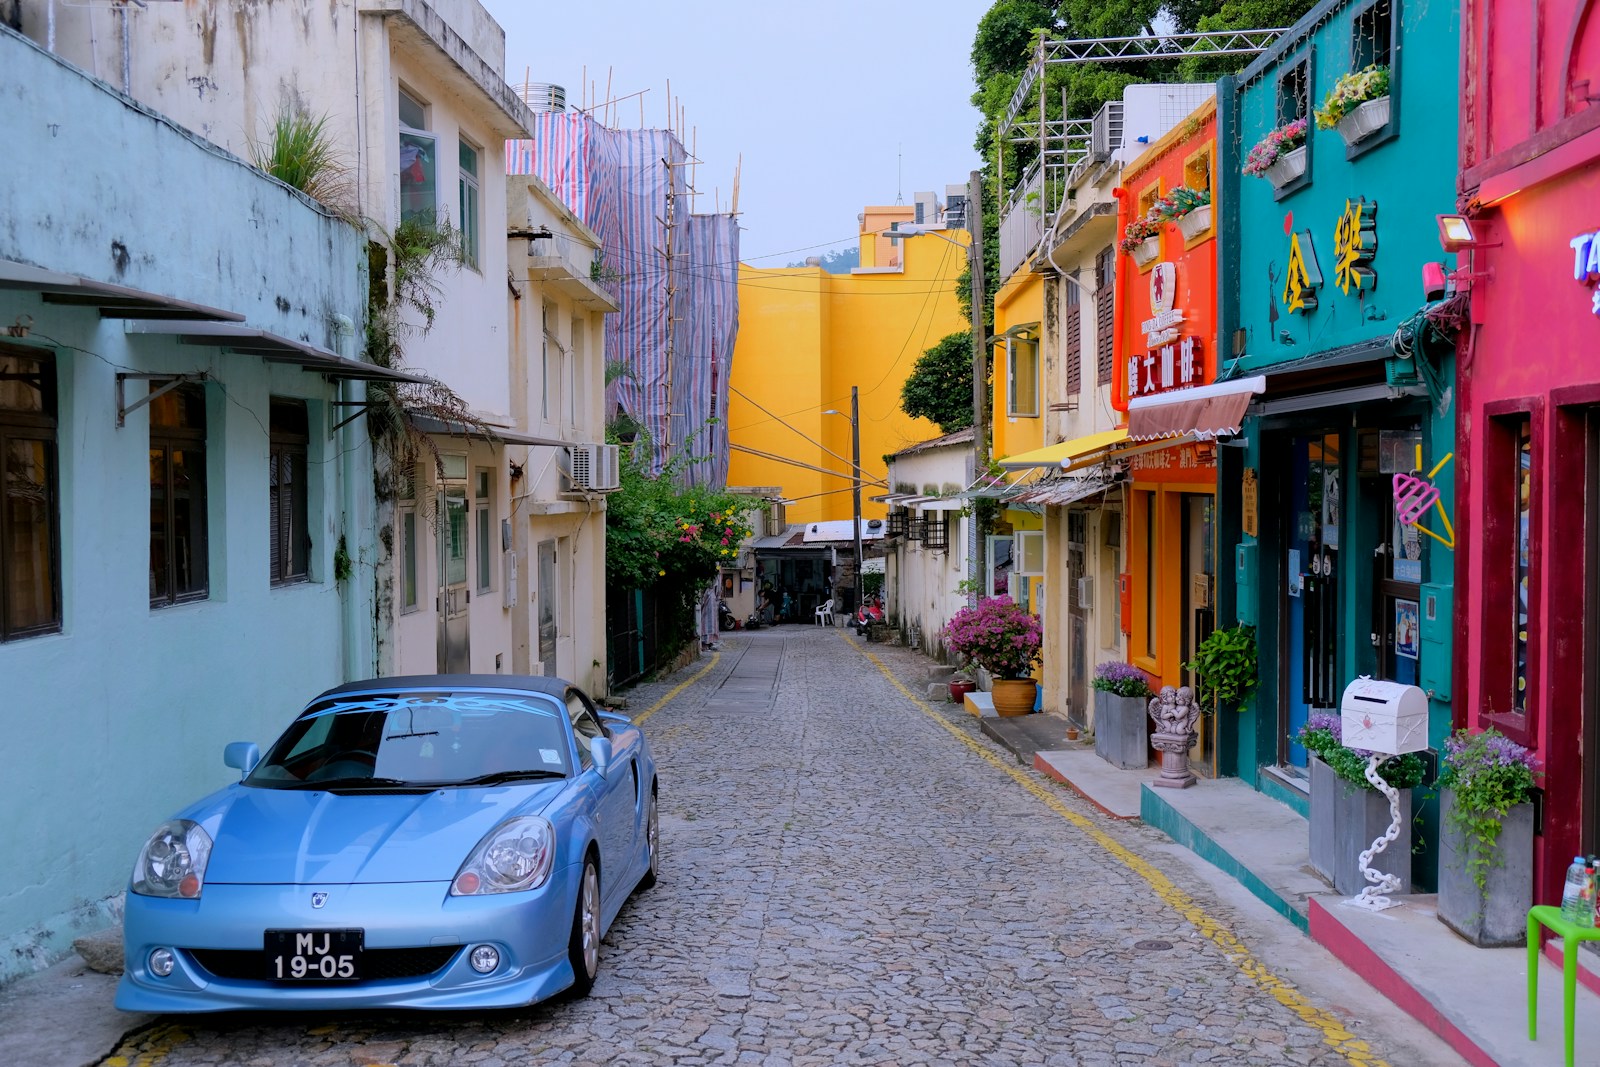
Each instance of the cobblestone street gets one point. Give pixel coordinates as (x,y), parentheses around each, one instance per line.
(852,875)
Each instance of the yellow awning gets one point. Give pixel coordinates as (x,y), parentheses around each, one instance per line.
(1066,451)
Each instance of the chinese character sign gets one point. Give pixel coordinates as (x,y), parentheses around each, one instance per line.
(1355,242)
(1304,276)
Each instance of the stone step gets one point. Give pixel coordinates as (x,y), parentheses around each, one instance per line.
(940,672)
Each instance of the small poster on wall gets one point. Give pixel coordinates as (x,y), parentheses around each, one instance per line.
(1407,628)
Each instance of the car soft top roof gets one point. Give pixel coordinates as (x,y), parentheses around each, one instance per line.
(433,683)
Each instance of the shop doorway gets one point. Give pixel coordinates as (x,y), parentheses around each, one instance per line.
(1197,518)
(547,606)
(1077,619)
(454,645)
(1591,633)
(1308,573)
(1397,577)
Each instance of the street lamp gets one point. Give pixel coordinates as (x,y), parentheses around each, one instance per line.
(855,479)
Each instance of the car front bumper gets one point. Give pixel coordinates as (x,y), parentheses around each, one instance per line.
(530,930)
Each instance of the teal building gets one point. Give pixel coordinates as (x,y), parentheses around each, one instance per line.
(1328,228)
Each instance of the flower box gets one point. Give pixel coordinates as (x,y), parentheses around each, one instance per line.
(1364,120)
(1287,167)
(1195,222)
(1122,730)
(1146,250)
(1496,916)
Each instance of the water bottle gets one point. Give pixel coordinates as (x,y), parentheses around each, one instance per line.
(1586,899)
(1576,894)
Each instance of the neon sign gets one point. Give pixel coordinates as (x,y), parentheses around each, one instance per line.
(1586,263)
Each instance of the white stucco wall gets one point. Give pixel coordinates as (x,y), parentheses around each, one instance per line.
(922,584)
(120,717)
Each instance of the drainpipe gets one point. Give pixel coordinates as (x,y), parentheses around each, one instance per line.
(50,24)
(354,516)
(127,50)
(1119,398)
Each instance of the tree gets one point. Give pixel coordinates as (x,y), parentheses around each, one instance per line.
(939,387)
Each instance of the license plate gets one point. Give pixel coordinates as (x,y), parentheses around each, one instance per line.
(314,955)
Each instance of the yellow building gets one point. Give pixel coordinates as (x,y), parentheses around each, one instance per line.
(807,336)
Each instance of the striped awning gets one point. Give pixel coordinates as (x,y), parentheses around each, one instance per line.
(1203,413)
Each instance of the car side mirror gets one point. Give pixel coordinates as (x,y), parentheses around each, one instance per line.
(600,752)
(243,756)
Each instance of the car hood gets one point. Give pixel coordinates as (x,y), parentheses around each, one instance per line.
(293,837)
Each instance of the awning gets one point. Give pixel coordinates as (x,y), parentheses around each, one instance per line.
(112,301)
(1066,452)
(1204,412)
(497,435)
(1061,491)
(939,503)
(237,337)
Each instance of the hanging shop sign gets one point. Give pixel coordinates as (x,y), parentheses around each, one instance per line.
(1248,499)
(1175,365)
(1586,264)
(1355,242)
(1304,276)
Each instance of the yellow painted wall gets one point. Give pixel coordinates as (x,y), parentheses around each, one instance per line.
(805,337)
(1020,300)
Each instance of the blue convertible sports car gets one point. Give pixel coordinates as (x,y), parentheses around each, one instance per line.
(447,841)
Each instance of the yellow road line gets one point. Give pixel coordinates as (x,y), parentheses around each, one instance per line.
(680,687)
(1334,1034)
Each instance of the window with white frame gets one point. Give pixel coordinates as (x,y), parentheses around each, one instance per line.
(419,163)
(999,565)
(1022,375)
(546,357)
(468,188)
(574,369)
(289,540)
(483,515)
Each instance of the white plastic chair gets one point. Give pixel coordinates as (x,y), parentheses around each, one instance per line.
(825,613)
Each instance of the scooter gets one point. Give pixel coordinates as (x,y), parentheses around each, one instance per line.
(870,611)
(726,620)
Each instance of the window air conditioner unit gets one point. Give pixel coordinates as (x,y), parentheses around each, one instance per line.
(592,468)
(1086,592)
(1105,133)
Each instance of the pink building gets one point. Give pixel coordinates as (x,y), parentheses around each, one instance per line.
(1527,593)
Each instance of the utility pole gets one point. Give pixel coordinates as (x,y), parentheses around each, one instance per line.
(980,369)
(855,491)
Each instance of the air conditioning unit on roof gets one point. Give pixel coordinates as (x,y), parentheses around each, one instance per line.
(1105,134)
(593,468)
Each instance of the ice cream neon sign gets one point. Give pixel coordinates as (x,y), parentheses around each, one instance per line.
(1586,263)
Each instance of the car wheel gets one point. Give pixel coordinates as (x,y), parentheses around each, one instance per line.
(583,948)
(652,840)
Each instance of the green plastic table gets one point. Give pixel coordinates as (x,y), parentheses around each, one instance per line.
(1571,936)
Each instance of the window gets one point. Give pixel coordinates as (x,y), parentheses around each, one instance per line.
(30,587)
(410,547)
(419,160)
(178,550)
(999,565)
(290,539)
(1105,321)
(1072,339)
(1197,175)
(468,187)
(545,355)
(1373,31)
(484,514)
(1294,102)
(1022,375)
(1030,553)
(1511,571)
(575,370)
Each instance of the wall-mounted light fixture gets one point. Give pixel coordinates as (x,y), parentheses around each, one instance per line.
(1455,233)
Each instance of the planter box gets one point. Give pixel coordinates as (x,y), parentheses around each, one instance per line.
(1360,815)
(1195,222)
(1146,250)
(1287,167)
(1365,120)
(1497,917)
(1325,791)
(1122,730)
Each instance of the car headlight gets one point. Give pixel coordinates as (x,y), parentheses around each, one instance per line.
(514,856)
(173,862)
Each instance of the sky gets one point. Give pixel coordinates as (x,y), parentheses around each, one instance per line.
(833,104)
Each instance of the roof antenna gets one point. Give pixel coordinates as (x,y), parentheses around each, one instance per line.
(899,181)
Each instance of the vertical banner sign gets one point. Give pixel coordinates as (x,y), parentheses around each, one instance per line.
(1304,276)
(1355,242)
(1248,498)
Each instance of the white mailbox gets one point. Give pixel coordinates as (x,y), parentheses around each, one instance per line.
(1384,717)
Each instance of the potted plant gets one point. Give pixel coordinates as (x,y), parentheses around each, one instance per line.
(1225,663)
(1347,814)
(1280,156)
(1004,640)
(1357,105)
(1189,208)
(1141,239)
(1486,837)
(1121,726)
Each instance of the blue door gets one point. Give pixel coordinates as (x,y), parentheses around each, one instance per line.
(1309,580)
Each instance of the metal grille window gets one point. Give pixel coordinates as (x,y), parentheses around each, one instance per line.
(290,539)
(1072,340)
(30,582)
(1105,322)
(178,546)
(936,531)
(899,520)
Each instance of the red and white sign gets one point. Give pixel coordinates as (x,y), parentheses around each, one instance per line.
(1174,365)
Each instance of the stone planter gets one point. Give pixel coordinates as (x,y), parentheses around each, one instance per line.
(1146,250)
(1122,730)
(1324,809)
(1013,696)
(1195,222)
(1359,816)
(1287,167)
(1496,916)
(1366,119)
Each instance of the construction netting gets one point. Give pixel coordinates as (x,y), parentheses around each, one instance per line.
(675,275)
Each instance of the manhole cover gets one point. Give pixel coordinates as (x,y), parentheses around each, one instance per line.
(1152,946)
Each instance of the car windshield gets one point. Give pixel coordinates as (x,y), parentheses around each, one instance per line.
(400,740)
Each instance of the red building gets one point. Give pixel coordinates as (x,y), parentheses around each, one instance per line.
(1527,596)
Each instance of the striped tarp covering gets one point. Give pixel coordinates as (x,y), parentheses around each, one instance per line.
(617,182)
